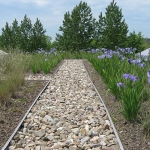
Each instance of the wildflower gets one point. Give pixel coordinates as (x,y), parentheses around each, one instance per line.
(133,78)
(121,58)
(104,49)
(120,84)
(128,50)
(126,75)
(97,50)
(136,61)
(108,56)
(148,73)
(93,51)
(134,49)
(121,49)
(129,60)
(101,57)
(148,80)
(141,64)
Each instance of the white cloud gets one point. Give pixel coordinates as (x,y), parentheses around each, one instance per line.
(51,13)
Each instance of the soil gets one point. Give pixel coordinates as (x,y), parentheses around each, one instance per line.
(131,133)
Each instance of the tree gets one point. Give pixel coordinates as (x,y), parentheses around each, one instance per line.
(25,37)
(10,36)
(100,27)
(78,28)
(25,34)
(54,44)
(15,34)
(135,41)
(38,37)
(115,29)
(6,37)
(65,39)
(48,42)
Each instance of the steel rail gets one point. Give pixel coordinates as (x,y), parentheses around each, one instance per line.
(115,131)
(5,147)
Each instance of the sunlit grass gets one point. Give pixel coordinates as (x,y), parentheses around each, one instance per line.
(13,67)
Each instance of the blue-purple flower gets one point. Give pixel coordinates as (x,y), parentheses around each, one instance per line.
(101,57)
(141,64)
(136,61)
(148,73)
(129,60)
(133,78)
(130,76)
(125,75)
(109,56)
(121,58)
(120,84)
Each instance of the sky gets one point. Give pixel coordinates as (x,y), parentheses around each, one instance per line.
(51,13)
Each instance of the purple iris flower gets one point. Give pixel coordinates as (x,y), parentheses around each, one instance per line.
(121,49)
(93,51)
(133,62)
(128,50)
(134,49)
(141,64)
(136,61)
(101,57)
(148,73)
(104,49)
(120,84)
(125,75)
(39,52)
(148,80)
(129,60)
(97,50)
(133,78)
(109,56)
(121,58)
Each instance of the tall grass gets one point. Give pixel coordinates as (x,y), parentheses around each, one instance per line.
(132,93)
(42,62)
(45,63)
(12,73)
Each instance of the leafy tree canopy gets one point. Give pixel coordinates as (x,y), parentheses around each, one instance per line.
(78,28)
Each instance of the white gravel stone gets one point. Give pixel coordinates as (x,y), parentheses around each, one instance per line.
(68,115)
(38,77)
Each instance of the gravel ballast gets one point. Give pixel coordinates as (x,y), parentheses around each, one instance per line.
(68,115)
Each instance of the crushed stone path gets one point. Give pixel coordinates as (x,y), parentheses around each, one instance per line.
(67,116)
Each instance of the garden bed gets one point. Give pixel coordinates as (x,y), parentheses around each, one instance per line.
(131,134)
(19,103)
